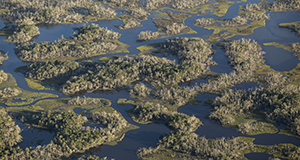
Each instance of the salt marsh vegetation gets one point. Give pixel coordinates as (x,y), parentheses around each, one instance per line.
(277,102)
(130,23)
(72,133)
(198,147)
(295,27)
(242,24)
(110,75)
(147,35)
(88,41)
(175,4)
(26,16)
(62,65)
(9,133)
(276,6)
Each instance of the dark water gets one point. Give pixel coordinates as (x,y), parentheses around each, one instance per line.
(147,135)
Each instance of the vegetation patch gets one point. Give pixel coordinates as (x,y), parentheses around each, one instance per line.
(35,84)
(9,133)
(294,26)
(64,104)
(173,25)
(198,147)
(15,96)
(25,18)
(147,48)
(73,135)
(132,16)
(77,77)
(276,103)
(226,28)
(89,40)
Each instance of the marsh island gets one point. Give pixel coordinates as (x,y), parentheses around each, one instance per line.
(149,79)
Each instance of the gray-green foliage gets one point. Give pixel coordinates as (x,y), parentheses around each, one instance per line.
(25,15)
(176,4)
(287,151)
(53,50)
(295,28)
(3,76)
(55,11)
(71,134)
(9,92)
(9,133)
(53,70)
(90,157)
(204,21)
(130,24)
(236,21)
(174,95)
(122,71)
(244,55)
(174,28)
(24,31)
(201,147)
(94,32)
(247,128)
(225,81)
(179,122)
(147,35)
(195,59)
(279,102)
(277,6)
(78,101)
(138,13)
(296,49)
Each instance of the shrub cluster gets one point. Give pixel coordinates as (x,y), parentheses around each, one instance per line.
(90,157)
(204,21)
(296,49)
(53,50)
(9,133)
(25,15)
(176,4)
(295,28)
(71,134)
(174,95)
(131,23)
(53,70)
(244,55)
(138,13)
(194,54)
(174,28)
(94,32)
(277,6)
(179,122)
(200,146)
(9,92)
(187,4)
(279,102)
(3,76)
(56,11)
(287,151)
(236,21)
(24,31)
(147,35)
(225,81)
(82,101)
